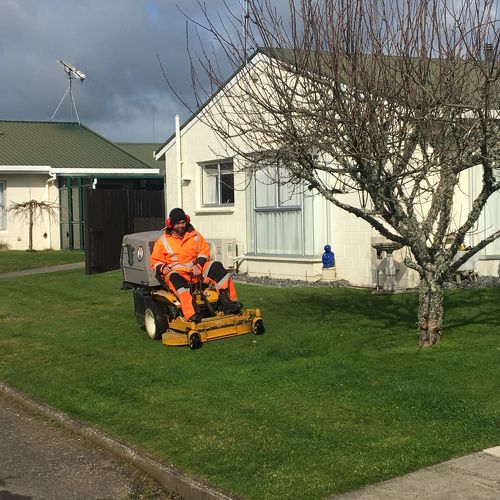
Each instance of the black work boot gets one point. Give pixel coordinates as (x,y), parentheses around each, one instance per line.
(196,318)
(227,305)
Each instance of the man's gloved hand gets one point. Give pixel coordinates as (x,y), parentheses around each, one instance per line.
(196,270)
(161,271)
(165,268)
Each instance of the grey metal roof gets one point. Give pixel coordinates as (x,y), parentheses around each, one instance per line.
(143,150)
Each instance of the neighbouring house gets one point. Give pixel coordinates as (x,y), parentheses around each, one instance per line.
(277,232)
(56,162)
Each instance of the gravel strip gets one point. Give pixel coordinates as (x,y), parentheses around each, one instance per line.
(480,282)
(287,283)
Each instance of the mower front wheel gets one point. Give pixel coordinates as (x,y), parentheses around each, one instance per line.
(155,322)
(258,327)
(194,340)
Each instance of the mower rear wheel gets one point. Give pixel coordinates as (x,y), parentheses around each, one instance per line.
(155,322)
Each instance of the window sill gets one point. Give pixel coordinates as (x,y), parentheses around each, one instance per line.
(285,258)
(214,210)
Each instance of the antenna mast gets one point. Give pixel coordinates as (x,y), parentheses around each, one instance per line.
(73,73)
(246,17)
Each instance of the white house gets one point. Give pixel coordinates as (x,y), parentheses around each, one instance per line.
(277,232)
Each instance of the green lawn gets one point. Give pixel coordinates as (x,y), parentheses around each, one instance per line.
(17,260)
(334,395)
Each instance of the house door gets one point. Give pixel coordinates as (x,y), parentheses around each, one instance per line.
(112,213)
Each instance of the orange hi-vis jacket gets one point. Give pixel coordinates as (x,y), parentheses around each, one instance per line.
(180,254)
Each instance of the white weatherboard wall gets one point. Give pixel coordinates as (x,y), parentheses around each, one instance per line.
(21,188)
(356,260)
(199,145)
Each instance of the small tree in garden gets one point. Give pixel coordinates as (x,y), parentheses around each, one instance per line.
(32,210)
(395,101)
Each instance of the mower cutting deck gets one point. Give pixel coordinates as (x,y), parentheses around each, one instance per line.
(181,333)
(158,310)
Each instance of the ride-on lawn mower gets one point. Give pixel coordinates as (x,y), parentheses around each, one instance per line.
(158,310)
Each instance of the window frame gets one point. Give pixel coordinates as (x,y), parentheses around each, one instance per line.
(220,182)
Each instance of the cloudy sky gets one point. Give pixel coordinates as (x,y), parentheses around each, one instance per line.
(115,43)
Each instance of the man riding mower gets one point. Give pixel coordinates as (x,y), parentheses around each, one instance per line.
(181,255)
(182,297)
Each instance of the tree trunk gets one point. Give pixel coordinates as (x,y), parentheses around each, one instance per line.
(30,232)
(430,311)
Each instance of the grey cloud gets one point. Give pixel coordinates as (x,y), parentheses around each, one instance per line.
(115,43)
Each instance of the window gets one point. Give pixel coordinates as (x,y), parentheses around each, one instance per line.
(490,222)
(217,184)
(272,189)
(3,218)
(277,213)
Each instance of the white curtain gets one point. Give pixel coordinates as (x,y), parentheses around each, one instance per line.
(265,189)
(210,185)
(279,232)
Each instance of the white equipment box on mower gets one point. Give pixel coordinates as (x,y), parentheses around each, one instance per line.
(136,253)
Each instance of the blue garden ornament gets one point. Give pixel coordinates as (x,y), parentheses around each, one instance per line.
(328,257)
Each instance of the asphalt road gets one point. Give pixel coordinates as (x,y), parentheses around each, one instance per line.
(39,459)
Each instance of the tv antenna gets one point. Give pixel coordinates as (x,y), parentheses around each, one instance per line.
(246,19)
(73,74)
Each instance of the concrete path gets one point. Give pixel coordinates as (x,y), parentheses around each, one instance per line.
(475,476)
(42,270)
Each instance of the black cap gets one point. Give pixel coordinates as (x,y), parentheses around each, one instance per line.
(176,215)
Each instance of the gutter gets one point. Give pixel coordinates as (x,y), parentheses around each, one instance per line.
(47,169)
(26,169)
(97,171)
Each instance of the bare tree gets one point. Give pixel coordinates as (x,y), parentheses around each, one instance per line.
(33,210)
(395,101)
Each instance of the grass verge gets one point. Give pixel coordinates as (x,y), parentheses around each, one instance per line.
(334,395)
(19,260)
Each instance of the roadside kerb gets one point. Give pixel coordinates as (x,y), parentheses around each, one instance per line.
(167,476)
